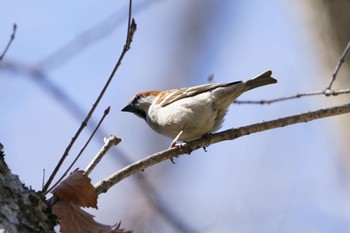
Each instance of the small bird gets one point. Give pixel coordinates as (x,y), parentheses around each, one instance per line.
(187,114)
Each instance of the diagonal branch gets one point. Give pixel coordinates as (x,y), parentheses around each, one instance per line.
(106,112)
(231,134)
(14,28)
(108,143)
(339,64)
(327,92)
(131,32)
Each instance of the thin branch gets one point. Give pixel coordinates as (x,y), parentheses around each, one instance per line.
(326,92)
(108,143)
(43,182)
(340,62)
(105,113)
(187,148)
(14,28)
(131,31)
(145,186)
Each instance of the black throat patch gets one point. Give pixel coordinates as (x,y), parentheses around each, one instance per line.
(140,113)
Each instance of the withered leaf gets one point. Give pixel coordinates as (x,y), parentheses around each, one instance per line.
(77,188)
(73,219)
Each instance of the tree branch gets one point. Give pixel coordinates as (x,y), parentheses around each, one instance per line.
(327,92)
(340,62)
(14,28)
(108,143)
(231,134)
(106,112)
(131,31)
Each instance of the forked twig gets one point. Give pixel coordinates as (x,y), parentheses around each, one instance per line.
(131,30)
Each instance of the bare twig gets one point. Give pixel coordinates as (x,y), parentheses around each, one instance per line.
(14,28)
(145,186)
(340,62)
(42,185)
(326,92)
(105,113)
(131,31)
(109,142)
(187,148)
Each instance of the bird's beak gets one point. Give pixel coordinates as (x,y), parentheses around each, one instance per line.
(128,108)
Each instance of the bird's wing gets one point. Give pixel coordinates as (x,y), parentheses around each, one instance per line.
(181,93)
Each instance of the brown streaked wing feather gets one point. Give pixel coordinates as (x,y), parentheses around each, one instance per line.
(181,93)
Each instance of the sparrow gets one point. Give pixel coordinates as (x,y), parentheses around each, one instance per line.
(186,114)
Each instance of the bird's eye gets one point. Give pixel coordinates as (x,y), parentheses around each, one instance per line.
(136,98)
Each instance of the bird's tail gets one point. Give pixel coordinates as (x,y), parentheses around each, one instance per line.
(261,80)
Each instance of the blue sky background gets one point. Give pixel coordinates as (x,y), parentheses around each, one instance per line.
(291,179)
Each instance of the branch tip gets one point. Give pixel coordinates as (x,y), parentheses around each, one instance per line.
(106,112)
(12,37)
(92,110)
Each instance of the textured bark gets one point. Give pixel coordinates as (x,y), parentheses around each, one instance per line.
(21,209)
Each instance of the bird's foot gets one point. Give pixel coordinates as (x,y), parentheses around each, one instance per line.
(207,137)
(173,144)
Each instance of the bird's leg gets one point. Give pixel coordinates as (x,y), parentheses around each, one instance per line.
(173,144)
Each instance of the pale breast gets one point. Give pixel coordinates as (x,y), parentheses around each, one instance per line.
(194,116)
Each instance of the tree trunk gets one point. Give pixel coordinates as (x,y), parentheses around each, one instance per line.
(21,209)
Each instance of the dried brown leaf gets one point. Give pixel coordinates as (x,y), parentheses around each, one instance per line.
(77,188)
(73,219)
